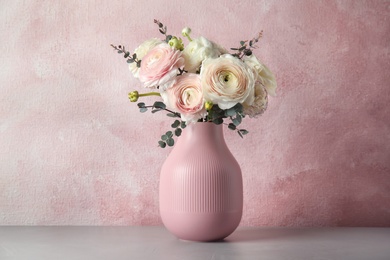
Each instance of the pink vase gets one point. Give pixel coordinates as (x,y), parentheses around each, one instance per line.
(201,196)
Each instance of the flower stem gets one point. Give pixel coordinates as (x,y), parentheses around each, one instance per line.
(149,94)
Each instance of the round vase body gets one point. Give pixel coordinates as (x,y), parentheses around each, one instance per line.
(201,193)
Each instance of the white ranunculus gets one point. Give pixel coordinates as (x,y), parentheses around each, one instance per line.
(264,75)
(141,51)
(227,81)
(198,50)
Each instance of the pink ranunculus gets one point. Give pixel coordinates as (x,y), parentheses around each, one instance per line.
(159,66)
(185,97)
(227,81)
(141,51)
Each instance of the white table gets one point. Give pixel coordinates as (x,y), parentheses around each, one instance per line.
(144,243)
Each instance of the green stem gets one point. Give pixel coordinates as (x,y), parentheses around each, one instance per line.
(149,94)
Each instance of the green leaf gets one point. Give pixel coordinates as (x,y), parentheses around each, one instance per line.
(139,64)
(183,124)
(164,137)
(172,115)
(230,112)
(127,54)
(143,109)
(120,51)
(141,104)
(243,131)
(178,131)
(176,124)
(232,126)
(156,110)
(242,48)
(159,104)
(239,133)
(218,121)
(169,134)
(170,142)
(162,144)
(248,52)
(134,56)
(130,61)
(242,43)
(239,108)
(237,120)
(234,49)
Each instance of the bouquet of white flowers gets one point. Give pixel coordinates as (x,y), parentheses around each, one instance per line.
(200,82)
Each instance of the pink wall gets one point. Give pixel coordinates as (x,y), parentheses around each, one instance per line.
(74,151)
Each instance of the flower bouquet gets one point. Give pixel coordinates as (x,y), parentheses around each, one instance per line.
(200,81)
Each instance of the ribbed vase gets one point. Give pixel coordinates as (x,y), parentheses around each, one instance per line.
(201,194)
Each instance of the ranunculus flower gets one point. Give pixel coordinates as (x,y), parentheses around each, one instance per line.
(260,103)
(141,51)
(185,97)
(227,81)
(198,50)
(159,66)
(265,76)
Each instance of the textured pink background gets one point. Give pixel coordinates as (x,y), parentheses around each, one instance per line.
(74,151)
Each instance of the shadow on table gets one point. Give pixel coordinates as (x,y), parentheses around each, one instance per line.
(262,234)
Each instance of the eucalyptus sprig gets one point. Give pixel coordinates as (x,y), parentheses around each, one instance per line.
(177,125)
(163,30)
(235,114)
(127,55)
(167,138)
(247,46)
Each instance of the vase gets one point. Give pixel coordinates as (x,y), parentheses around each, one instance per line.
(201,193)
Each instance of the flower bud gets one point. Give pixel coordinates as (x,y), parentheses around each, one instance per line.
(208,105)
(133,96)
(176,43)
(186,33)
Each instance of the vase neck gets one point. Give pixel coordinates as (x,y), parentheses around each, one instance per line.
(203,132)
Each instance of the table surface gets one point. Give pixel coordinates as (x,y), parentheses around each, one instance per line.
(153,242)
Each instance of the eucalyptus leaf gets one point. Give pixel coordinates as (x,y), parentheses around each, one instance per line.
(230,112)
(183,124)
(178,131)
(243,131)
(172,115)
(164,137)
(218,121)
(237,120)
(232,126)
(170,142)
(162,144)
(143,109)
(159,104)
(176,124)
(141,104)
(169,134)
